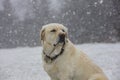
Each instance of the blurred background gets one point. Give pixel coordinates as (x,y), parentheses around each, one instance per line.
(94,24)
(88,21)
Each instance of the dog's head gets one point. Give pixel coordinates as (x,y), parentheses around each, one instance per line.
(53,34)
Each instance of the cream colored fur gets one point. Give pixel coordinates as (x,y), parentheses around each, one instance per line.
(73,64)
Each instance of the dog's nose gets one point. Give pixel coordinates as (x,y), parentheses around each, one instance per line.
(61,37)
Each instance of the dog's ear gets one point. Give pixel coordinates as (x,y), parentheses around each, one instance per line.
(42,34)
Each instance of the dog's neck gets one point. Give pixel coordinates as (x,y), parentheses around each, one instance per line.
(51,53)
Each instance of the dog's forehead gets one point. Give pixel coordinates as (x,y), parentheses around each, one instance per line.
(53,26)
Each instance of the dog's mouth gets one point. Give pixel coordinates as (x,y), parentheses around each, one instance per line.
(61,40)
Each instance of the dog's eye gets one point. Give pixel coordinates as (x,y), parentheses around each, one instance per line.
(63,30)
(53,30)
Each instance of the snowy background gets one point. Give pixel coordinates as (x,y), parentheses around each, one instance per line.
(93,24)
(87,20)
(25,63)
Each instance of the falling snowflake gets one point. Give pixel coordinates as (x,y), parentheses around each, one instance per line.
(53,17)
(74,13)
(100,1)
(88,13)
(9,14)
(95,4)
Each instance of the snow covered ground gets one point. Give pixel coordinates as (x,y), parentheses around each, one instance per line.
(25,63)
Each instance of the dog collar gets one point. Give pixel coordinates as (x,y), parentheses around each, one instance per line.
(49,59)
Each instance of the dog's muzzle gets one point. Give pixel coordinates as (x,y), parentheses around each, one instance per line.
(61,38)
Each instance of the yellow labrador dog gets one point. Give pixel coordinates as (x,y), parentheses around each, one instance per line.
(62,61)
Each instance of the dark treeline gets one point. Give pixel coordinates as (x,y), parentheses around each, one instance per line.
(87,21)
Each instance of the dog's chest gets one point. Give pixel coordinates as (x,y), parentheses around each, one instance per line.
(59,70)
(52,70)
